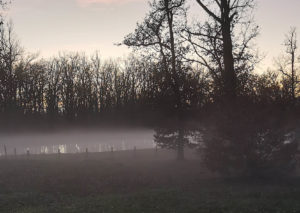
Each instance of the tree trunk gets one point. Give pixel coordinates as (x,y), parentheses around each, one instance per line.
(180,145)
(176,87)
(229,75)
(293,76)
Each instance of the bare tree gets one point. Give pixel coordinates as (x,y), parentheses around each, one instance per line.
(10,55)
(223,43)
(288,64)
(159,34)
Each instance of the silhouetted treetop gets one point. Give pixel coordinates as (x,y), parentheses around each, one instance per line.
(228,54)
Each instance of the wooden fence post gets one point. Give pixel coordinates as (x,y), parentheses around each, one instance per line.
(58,152)
(86,152)
(112,151)
(5,151)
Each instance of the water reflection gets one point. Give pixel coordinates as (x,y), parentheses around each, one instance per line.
(76,142)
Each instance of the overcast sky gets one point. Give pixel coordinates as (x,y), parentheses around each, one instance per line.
(50,26)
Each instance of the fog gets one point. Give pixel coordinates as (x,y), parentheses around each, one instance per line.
(76,140)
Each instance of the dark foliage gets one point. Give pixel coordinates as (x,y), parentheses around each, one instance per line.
(190,76)
(252,139)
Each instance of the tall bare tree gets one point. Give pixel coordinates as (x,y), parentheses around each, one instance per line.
(220,48)
(10,55)
(159,34)
(289,64)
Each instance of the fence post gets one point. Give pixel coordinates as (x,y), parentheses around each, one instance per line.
(134,151)
(5,151)
(112,151)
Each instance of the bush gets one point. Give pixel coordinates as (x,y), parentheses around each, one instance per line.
(250,139)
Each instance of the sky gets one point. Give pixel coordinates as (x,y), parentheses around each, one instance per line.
(52,26)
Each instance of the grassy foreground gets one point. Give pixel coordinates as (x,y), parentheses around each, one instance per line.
(141,182)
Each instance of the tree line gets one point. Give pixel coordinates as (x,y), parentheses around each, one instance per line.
(193,81)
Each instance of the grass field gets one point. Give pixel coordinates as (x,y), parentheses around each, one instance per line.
(141,182)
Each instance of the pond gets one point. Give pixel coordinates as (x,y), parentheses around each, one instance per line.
(76,141)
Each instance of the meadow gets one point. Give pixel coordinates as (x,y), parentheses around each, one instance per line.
(142,181)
